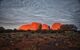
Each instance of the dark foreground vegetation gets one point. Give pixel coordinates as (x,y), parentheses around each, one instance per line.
(64,39)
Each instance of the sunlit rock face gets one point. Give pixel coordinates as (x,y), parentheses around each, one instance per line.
(32,26)
(56,26)
(45,27)
(35,26)
(24,27)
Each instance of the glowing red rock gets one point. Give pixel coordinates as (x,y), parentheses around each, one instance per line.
(56,26)
(35,26)
(45,27)
(25,27)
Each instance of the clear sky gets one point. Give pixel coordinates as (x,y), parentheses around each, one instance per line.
(14,13)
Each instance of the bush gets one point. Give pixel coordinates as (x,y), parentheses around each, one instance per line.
(69,33)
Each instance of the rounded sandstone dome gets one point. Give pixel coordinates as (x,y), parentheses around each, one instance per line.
(45,27)
(56,26)
(24,27)
(35,26)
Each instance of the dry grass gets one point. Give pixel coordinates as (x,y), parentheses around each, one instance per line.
(28,41)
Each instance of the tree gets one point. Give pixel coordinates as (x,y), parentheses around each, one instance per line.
(15,30)
(2,28)
(9,30)
(68,27)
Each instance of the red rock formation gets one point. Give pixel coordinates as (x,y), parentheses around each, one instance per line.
(56,26)
(35,26)
(45,27)
(24,27)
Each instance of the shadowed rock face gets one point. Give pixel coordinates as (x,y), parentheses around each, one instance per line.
(45,27)
(56,26)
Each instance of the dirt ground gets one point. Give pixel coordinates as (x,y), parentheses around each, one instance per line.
(23,41)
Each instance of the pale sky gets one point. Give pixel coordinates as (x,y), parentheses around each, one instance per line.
(14,13)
